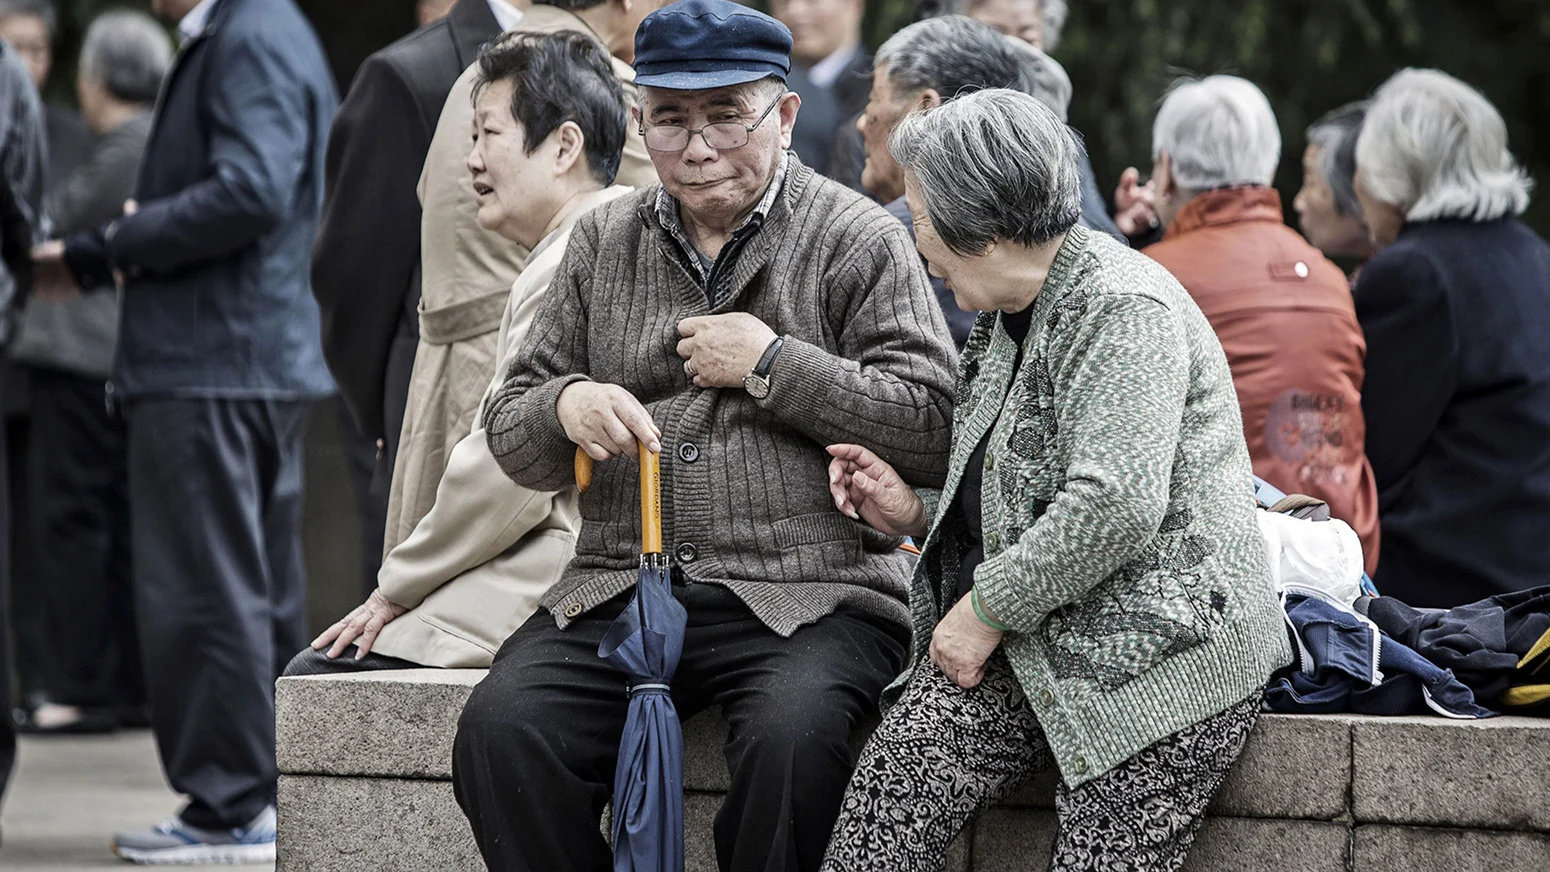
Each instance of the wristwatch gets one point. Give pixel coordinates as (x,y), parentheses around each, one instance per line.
(757,382)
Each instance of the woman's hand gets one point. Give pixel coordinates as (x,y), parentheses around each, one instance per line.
(962,643)
(360,626)
(868,489)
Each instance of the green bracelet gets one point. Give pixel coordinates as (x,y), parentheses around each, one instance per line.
(979,612)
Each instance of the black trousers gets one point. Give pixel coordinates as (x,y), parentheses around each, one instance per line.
(533,764)
(215,492)
(78,476)
(362,461)
(310,662)
(7,725)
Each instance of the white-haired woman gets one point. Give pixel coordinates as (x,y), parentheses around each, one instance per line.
(1093,594)
(1456,308)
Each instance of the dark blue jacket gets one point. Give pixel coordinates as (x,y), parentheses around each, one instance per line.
(216,299)
(1457,402)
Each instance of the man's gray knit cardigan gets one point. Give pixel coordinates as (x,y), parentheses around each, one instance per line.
(1120,539)
(867,359)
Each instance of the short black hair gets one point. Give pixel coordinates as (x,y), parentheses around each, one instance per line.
(560,77)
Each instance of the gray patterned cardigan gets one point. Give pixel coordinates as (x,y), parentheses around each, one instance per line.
(1119,531)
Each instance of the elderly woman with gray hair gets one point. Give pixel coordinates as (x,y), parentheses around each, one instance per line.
(1455,307)
(1327,209)
(1092,594)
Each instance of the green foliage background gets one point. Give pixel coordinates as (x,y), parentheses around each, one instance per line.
(1308,55)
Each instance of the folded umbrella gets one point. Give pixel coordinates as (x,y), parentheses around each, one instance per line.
(644,643)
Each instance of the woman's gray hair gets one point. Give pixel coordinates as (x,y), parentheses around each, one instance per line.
(1053,13)
(127,53)
(1433,147)
(1334,135)
(1044,78)
(951,54)
(994,164)
(1218,131)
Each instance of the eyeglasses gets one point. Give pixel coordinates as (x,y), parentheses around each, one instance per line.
(721,136)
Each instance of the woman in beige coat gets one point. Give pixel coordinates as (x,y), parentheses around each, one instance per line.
(475,565)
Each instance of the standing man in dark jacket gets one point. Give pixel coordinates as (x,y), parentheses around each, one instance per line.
(22,164)
(366,259)
(219,357)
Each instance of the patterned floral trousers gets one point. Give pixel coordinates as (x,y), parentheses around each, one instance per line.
(943,753)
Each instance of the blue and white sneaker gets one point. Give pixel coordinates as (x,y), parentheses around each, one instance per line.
(175,843)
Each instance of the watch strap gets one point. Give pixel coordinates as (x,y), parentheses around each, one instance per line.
(767,360)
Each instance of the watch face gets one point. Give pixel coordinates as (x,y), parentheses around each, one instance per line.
(757,387)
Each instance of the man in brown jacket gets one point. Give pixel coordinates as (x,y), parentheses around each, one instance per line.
(1281,310)
(738,317)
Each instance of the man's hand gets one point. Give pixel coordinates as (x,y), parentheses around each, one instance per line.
(51,279)
(718,350)
(605,420)
(962,643)
(1135,204)
(360,626)
(865,487)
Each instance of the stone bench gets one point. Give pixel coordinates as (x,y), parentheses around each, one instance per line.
(365,763)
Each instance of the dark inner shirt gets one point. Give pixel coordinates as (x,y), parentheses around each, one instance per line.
(969,501)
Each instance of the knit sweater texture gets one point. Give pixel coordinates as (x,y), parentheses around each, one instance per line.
(1120,540)
(867,359)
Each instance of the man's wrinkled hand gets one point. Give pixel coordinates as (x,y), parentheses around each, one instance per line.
(962,644)
(605,420)
(718,350)
(360,626)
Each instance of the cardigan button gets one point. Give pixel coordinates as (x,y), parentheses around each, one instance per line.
(1079,765)
(573,610)
(688,452)
(992,540)
(1046,698)
(990,460)
(687,552)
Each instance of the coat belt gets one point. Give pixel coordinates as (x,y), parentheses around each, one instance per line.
(463,320)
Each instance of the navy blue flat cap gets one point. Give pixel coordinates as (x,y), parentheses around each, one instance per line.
(696,45)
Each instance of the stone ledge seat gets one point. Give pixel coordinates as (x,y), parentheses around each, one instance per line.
(365,767)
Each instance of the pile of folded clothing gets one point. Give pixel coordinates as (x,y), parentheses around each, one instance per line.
(1359,652)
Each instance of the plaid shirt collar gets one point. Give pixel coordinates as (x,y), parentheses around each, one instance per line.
(667,214)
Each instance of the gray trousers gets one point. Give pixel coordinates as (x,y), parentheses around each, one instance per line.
(215,493)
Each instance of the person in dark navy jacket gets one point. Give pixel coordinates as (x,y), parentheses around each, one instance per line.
(1455,307)
(219,360)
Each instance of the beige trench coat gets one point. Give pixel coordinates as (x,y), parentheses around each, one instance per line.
(467,273)
(476,565)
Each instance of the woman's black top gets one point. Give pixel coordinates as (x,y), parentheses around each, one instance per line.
(968,501)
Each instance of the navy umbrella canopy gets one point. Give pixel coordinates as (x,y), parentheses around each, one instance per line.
(645,643)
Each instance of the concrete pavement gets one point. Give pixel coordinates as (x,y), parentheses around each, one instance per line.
(69,794)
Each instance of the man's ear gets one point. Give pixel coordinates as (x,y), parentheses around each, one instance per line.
(789,105)
(570,147)
(635,113)
(1166,186)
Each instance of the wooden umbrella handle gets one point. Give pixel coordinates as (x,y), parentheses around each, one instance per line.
(650,494)
(584,464)
(650,500)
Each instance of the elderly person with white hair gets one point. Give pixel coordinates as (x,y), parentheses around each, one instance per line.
(77,462)
(1282,310)
(1455,306)
(1092,595)
(1327,209)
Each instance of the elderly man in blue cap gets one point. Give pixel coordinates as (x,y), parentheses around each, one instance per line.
(737,318)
